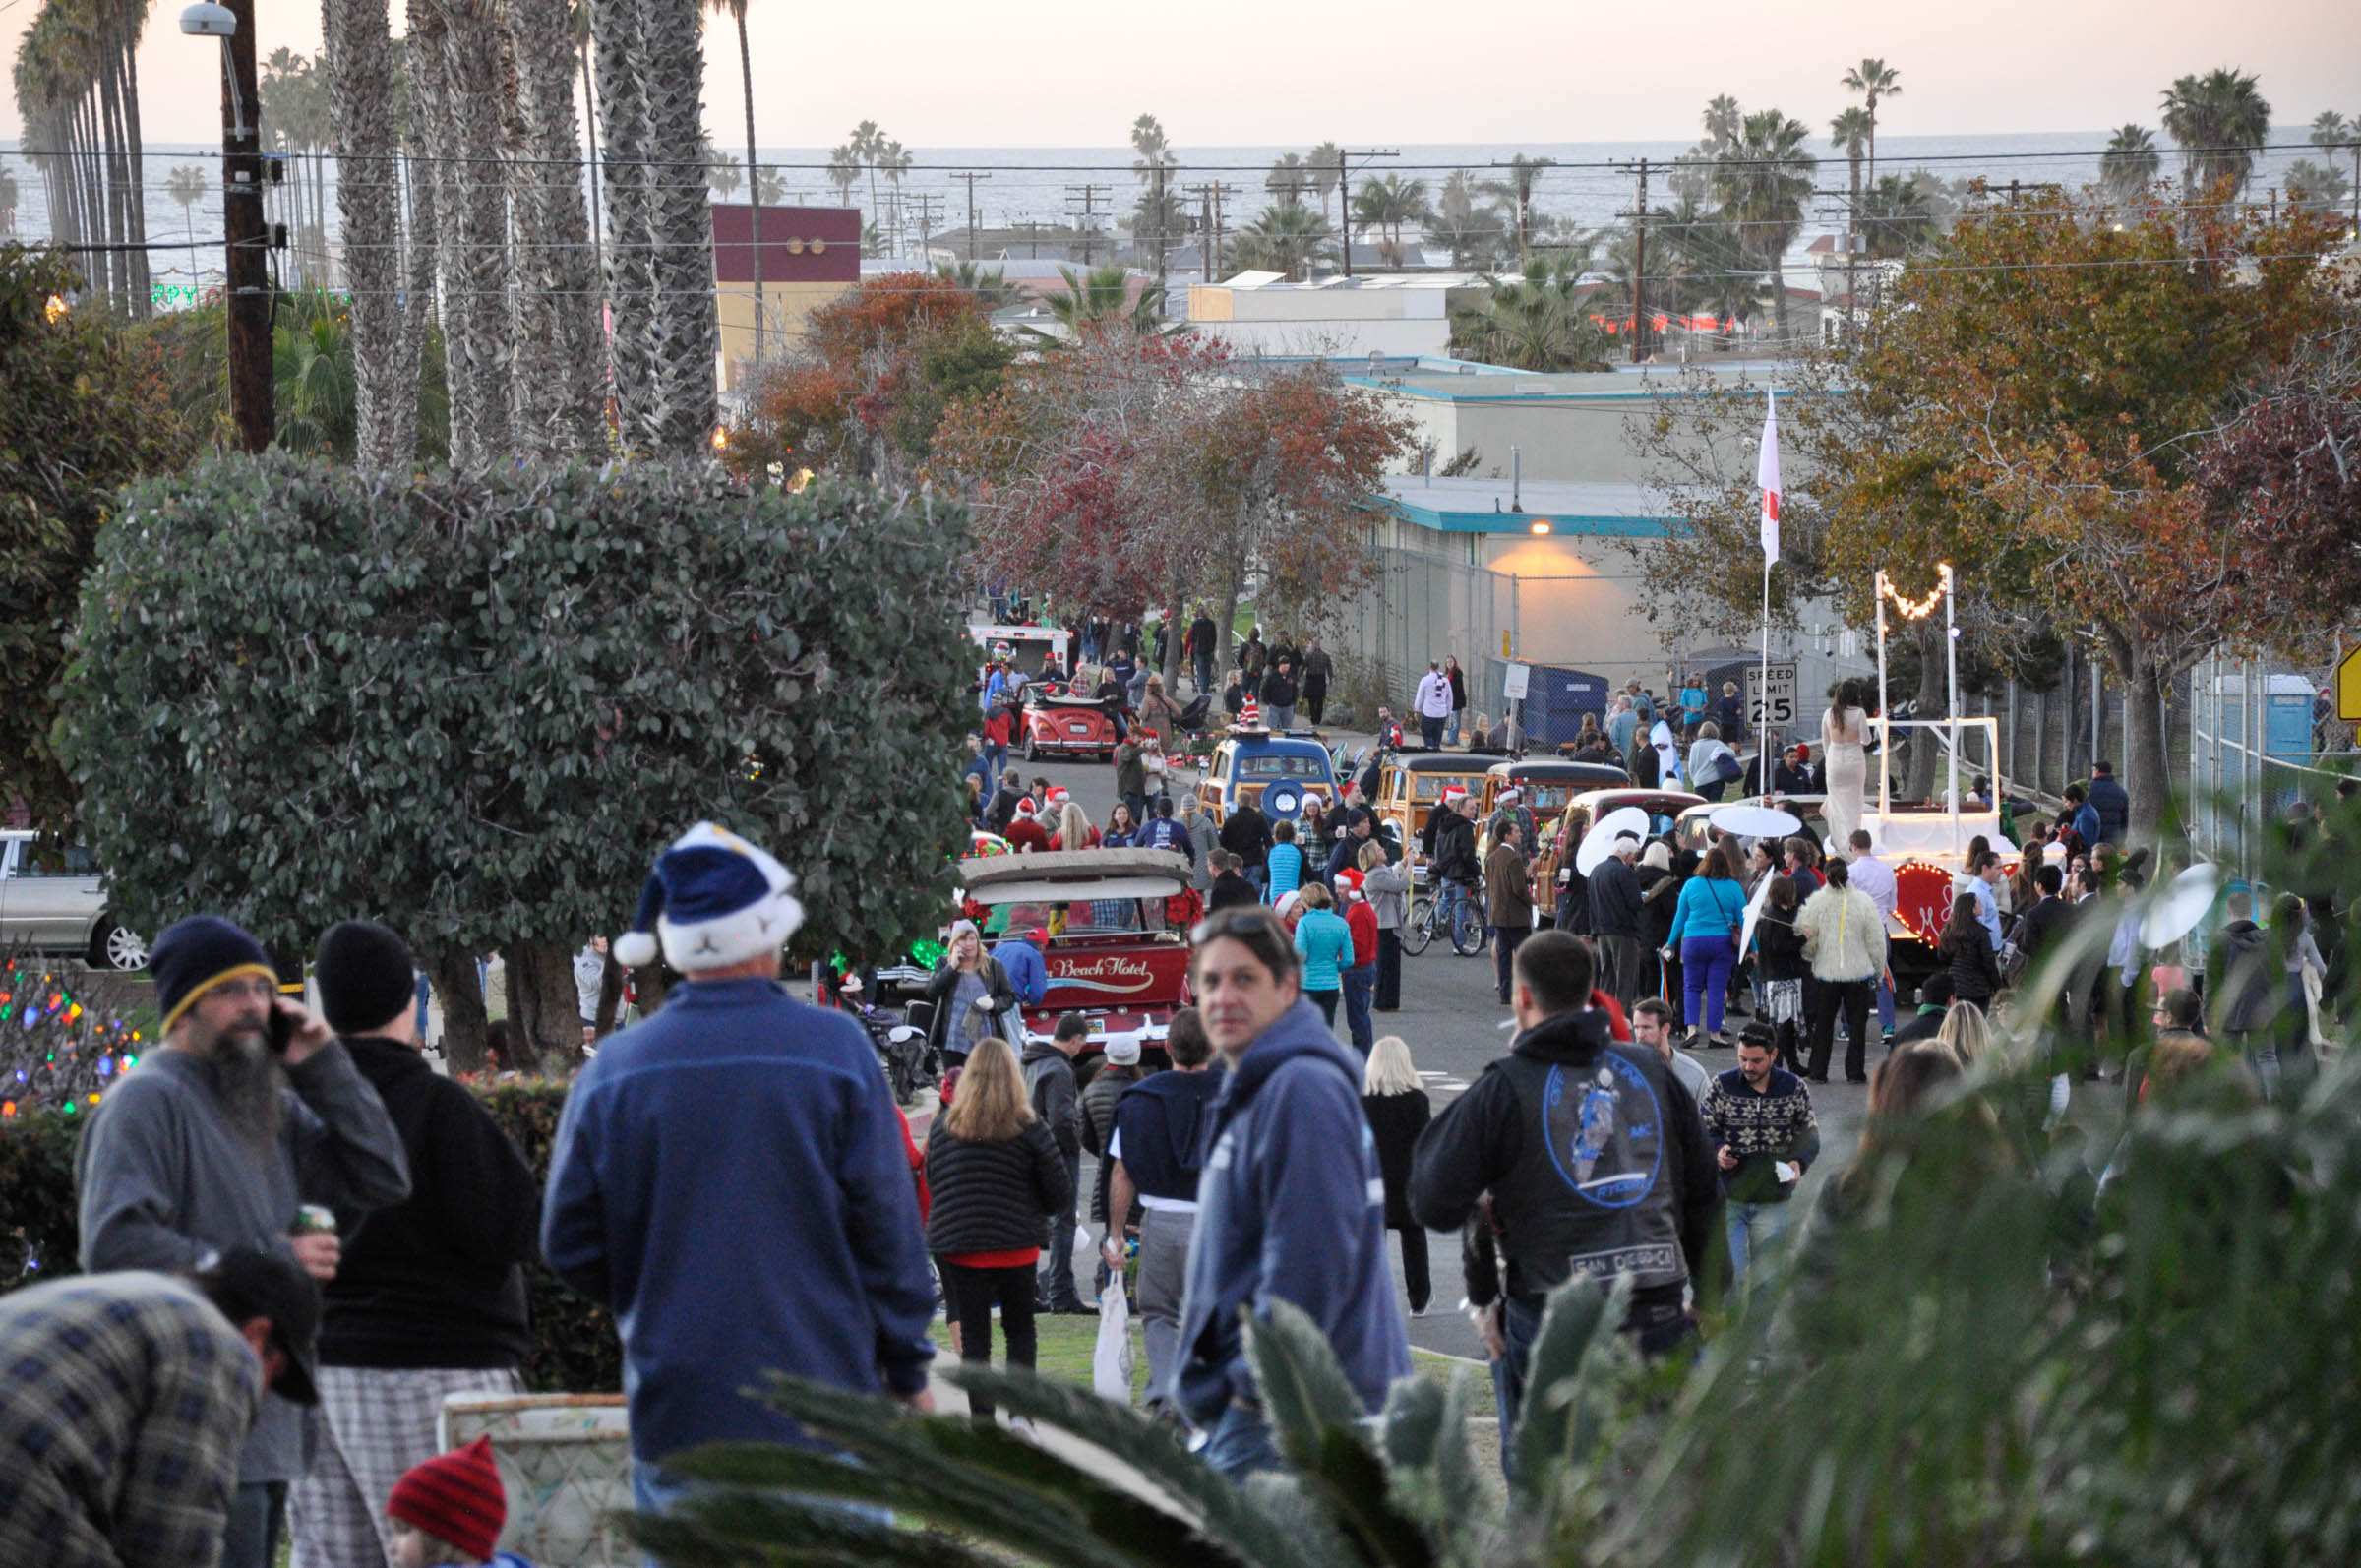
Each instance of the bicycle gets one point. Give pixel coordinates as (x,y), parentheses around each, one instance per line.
(1469,933)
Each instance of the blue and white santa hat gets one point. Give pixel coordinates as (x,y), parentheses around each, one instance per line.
(715,900)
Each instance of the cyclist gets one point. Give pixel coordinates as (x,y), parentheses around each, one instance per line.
(1456,867)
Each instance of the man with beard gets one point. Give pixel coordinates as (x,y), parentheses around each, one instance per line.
(215,1141)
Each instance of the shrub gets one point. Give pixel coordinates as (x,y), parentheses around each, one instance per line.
(474,706)
(574,1346)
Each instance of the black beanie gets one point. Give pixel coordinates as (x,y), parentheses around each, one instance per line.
(194,955)
(365,975)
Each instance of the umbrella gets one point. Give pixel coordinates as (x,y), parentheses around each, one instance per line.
(1755,907)
(2185,902)
(1748,820)
(1600,841)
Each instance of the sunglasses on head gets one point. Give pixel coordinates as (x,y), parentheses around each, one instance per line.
(1230,922)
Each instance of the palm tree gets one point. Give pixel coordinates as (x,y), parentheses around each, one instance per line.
(1099,301)
(1385,204)
(1540,320)
(1327,161)
(1281,239)
(844,171)
(721,172)
(317,385)
(1873,80)
(478,328)
(2319,186)
(1709,270)
(2129,165)
(989,287)
(894,162)
(868,143)
(187,185)
(1158,212)
(1897,217)
(1513,196)
(2331,130)
(1475,235)
(1722,119)
(1155,151)
(8,201)
(2219,119)
(1850,130)
(1289,179)
(1762,183)
(745,75)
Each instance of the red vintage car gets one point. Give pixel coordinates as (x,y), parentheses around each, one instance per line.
(1118,922)
(1056,723)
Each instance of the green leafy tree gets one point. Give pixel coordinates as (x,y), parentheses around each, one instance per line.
(1385,206)
(84,409)
(1102,300)
(475,706)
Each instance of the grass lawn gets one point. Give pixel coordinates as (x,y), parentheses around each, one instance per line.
(1068,1346)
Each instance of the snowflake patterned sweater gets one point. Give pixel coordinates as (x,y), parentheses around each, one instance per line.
(1761,1128)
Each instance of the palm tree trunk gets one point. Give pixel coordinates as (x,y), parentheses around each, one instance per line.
(129,57)
(561,394)
(422,58)
(617,28)
(598,254)
(476,330)
(754,178)
(686,335)
(360,98)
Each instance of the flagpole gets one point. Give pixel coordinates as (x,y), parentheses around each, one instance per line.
(1765,742)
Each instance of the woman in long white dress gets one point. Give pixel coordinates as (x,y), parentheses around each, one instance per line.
(1844,741)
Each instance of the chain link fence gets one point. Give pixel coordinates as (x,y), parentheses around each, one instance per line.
(1419,608)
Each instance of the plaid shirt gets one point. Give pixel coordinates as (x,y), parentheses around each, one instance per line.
(124,1398)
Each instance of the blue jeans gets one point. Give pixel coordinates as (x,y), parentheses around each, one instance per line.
(258,1511)
(1204,672)
(1754,1229)
(1240,1444)
(1657,1323)
(1361,984)
(1447,899)
(1451,729)
(1281,718)
(1705,965)
(1885,1005)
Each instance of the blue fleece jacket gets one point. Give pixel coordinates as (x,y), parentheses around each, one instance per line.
(730,1180)
(1028,975)
(1708,907)
(1290,1206)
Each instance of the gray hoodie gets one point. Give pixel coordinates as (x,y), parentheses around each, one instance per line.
(163,1179)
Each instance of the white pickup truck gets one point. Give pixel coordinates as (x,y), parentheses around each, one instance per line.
(56,901)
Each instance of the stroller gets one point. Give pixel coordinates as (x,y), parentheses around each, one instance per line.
(1192,717)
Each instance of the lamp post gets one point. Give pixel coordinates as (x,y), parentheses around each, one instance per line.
(246,284)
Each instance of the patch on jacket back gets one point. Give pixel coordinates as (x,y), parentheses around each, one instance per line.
(1605,1129)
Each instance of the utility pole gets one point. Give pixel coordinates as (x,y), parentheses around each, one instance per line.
(1088,194)
(246,289)
(930,207)
(1160,223)
(971,210)
(1204,196)
(1344,194)
(1639,268)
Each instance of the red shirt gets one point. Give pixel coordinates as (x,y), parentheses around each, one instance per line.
(1025,833)
(1362,921)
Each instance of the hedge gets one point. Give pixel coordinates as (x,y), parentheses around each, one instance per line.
(574,1346)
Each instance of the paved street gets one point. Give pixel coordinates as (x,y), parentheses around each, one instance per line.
(1454,1026)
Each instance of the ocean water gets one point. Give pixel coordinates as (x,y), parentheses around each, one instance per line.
(1588,183)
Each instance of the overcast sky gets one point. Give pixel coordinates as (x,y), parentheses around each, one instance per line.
(953,73)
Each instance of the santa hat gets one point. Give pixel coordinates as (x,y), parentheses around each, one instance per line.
(1287,901)
(1147,734)
(1059,796)
(1453,794)
(1510,797)
(714,900)
(1024,806)
(1349,881)
(1249,715)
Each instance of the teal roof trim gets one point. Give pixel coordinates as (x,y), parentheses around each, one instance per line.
(1619,527)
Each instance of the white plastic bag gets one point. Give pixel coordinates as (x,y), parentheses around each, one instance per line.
(1110,1366)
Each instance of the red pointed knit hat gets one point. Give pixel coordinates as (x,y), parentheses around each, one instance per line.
(455,1497)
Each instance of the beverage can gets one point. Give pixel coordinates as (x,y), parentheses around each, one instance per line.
(314,1217)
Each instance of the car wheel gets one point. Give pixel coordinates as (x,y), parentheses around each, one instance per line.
(117,947)
(1032,750)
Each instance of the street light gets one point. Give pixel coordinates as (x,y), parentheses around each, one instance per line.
(1538,527)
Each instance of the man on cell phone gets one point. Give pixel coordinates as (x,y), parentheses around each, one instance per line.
(251,1113)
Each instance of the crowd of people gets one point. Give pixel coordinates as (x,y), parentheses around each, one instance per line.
(299,1239)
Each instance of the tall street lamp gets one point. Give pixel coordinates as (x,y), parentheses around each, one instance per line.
(246,289)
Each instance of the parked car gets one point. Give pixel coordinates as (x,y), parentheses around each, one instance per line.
(1273,769)
(55,898)
(1117,953)
(1411,784)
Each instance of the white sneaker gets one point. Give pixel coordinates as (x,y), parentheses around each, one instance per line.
(1421,1311)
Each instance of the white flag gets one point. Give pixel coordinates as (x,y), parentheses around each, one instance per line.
(1766,474)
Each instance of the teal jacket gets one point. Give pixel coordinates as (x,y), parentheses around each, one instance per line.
(1325,945)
